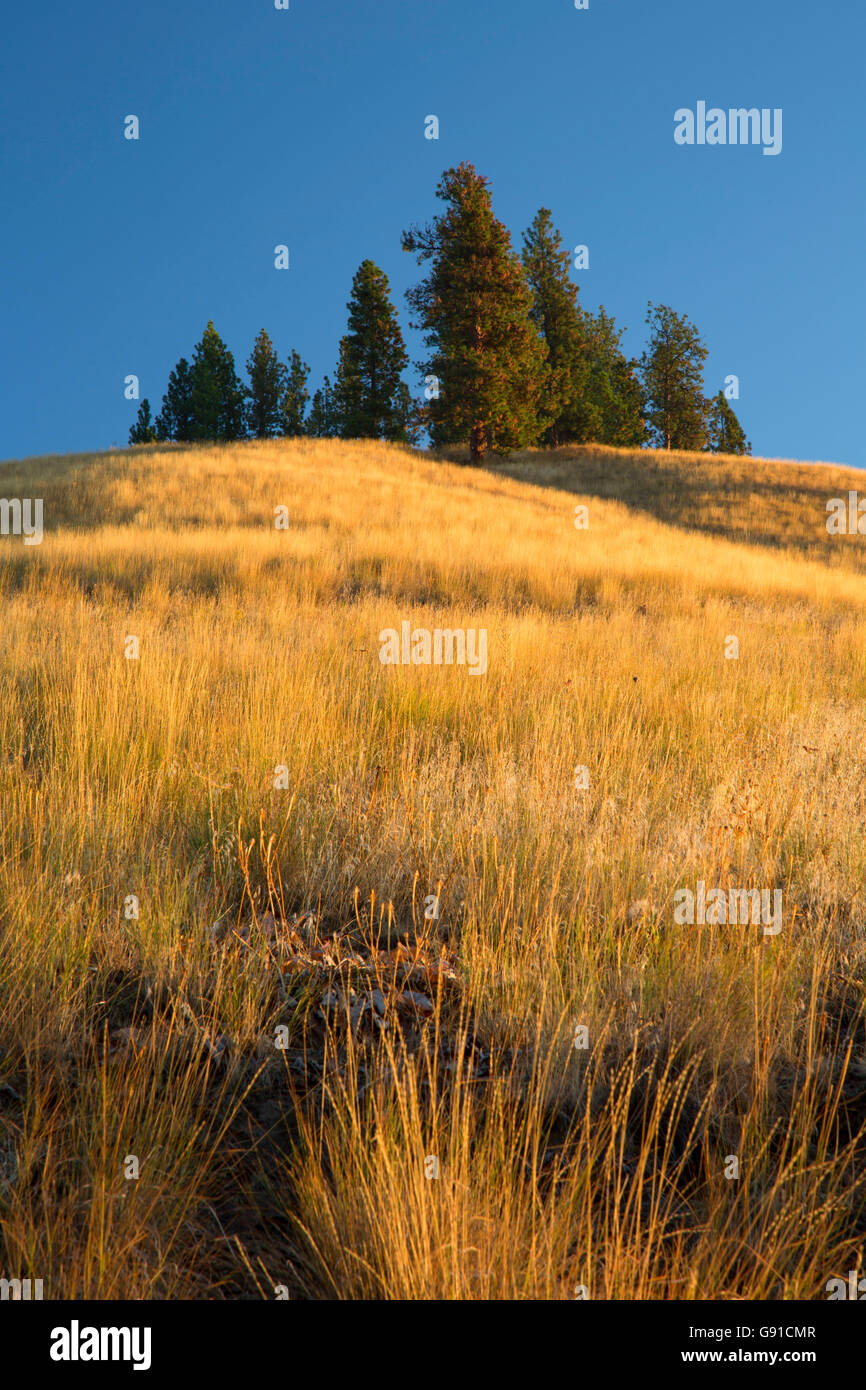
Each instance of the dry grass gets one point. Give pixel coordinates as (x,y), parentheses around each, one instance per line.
(558,1166)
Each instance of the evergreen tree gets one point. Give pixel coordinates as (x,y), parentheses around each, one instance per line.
(612,410)
(367,396)
(321,423)
(594,388)
(725,434)
(174,420)
(293,401)
(143,431)
(558,318)
(475,309)
(411,415)
(217,394)
(264,396)
(673,378)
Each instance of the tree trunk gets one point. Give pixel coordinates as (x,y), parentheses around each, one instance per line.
(477,443)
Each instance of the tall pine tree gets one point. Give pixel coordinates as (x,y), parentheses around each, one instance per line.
(475,310)
(368,398)
(672,366)
(265,392)
(293,401)
(557,316)
(594,391)
(217,394)
(612,409)
(174,420)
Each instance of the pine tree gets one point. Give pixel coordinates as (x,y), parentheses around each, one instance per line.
(673,378)
(174,420)
(559,320)
(144,430)
(367,395)
(293,401)
(264,396)
(475,310)
(217,394)
(725,434)
(320,421)
(594,388)
(595,391)
(411,416)
(612,411)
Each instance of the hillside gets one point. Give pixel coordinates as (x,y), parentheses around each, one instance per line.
(235,831)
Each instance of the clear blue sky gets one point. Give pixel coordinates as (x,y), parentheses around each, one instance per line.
(306,127)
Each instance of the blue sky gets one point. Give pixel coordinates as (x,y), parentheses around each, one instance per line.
(306,127)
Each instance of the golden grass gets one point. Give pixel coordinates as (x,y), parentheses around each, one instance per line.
(259,648)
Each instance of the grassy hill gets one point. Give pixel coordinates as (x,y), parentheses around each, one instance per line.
(215,857)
